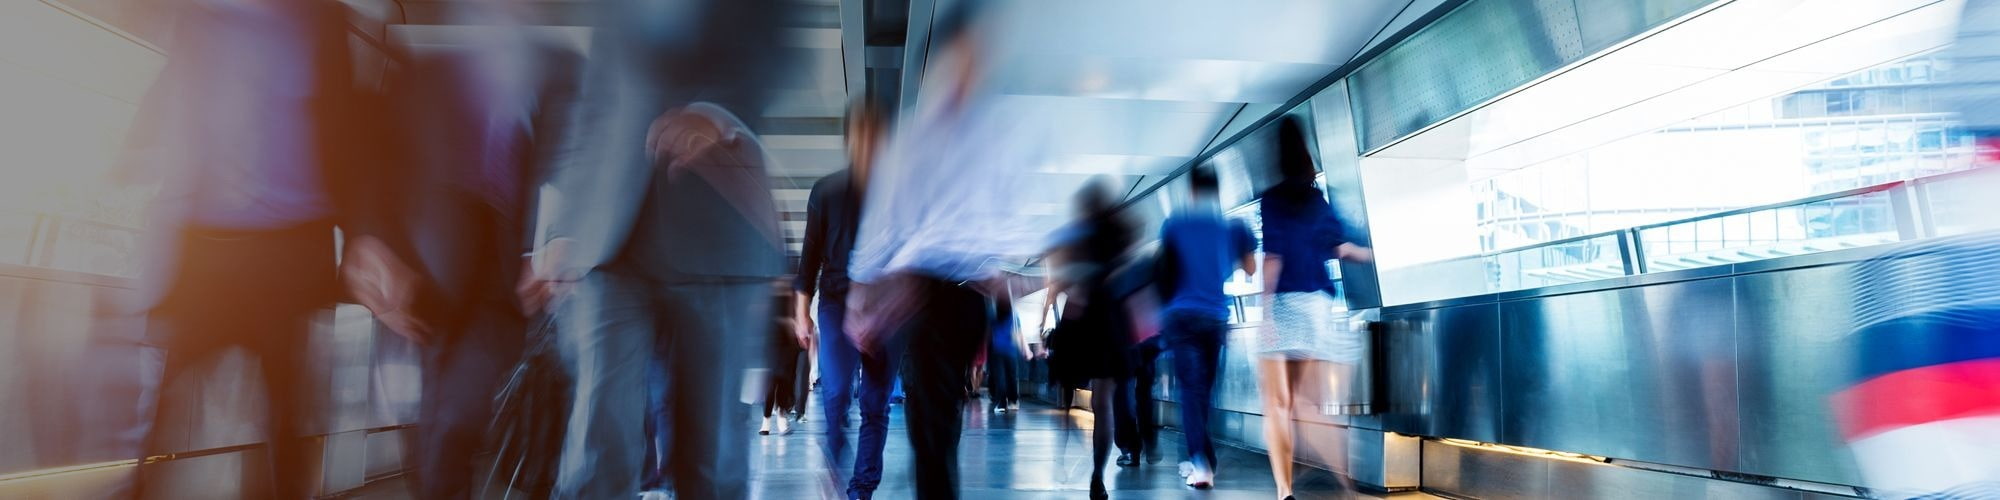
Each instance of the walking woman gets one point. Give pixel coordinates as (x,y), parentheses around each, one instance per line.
(1301,339)
(1092,336)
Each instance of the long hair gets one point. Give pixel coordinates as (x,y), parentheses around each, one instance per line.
(1097,206)
(1295,165)
(1295,161)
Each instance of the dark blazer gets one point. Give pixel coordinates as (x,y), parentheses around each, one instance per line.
(468,242)
(643,63)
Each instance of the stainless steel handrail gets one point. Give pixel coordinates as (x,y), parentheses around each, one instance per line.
(1633,232)
(1631,244)
(1774,206)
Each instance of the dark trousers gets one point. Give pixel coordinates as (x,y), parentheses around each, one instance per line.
(251,290)
(839,364)
(941,340)
(1138,427)
(1195,339)
(788,371)
(471,259)
(1003,377)
(462,369)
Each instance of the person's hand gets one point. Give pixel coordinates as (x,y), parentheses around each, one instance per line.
(876,309)
(385,285)
(802,332)
(1354,253)
(540,285)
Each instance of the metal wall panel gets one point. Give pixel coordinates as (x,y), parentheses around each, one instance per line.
(78,385)
(1465,399)
(1340,158)
(1236,377)
(1487,48)
(1475,473)
(385,452)
(1575,479)
(1646,373)
(71,375)
(1407,373)
(1794,354)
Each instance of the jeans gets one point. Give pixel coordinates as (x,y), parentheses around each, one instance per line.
(839,362)
(695,339)
(1195,338)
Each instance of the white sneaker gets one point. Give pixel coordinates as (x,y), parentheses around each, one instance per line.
(1187,468)
(784,425)
(1014,406)
(1201,479)
(654,495)
(766,429)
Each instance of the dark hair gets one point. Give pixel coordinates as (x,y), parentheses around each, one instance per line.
(1095,198)
(1295,161)
(956,21)
(1202,180)
(865,108)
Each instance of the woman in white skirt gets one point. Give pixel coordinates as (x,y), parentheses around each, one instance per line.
(1302,338)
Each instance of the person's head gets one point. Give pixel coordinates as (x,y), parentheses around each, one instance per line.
(1202,183)
(957,33)
(1095,198)
(1295,163)
(866,126)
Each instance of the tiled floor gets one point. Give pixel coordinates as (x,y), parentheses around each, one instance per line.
(1038,453)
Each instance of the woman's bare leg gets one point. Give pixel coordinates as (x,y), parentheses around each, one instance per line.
(1275,381)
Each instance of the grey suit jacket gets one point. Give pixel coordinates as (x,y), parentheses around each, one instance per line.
(644,64)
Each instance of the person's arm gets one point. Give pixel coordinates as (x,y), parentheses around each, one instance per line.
(812,261)
(1332,232)
(1273,264)
(1051,289)
(1246,246)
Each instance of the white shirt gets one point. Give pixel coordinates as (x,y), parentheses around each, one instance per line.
(945,199)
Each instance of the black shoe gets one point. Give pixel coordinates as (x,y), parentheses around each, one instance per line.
(1127,460)
(1097,491)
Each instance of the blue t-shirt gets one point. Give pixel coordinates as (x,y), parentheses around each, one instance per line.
(1206,247)
(1299,227)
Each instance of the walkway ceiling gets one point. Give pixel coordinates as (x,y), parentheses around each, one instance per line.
(1136,88)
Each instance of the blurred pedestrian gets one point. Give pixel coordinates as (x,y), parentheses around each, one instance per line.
(460,203)
(1089,345)
(664,234)
(784,397)
(1003,360)
(942,213)
(1200,249)
(255,130)
(685,296)
(1302,339)
(1918,410)
(833,217)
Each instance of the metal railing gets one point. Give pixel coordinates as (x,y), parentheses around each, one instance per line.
(1938,205)
(71,244)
